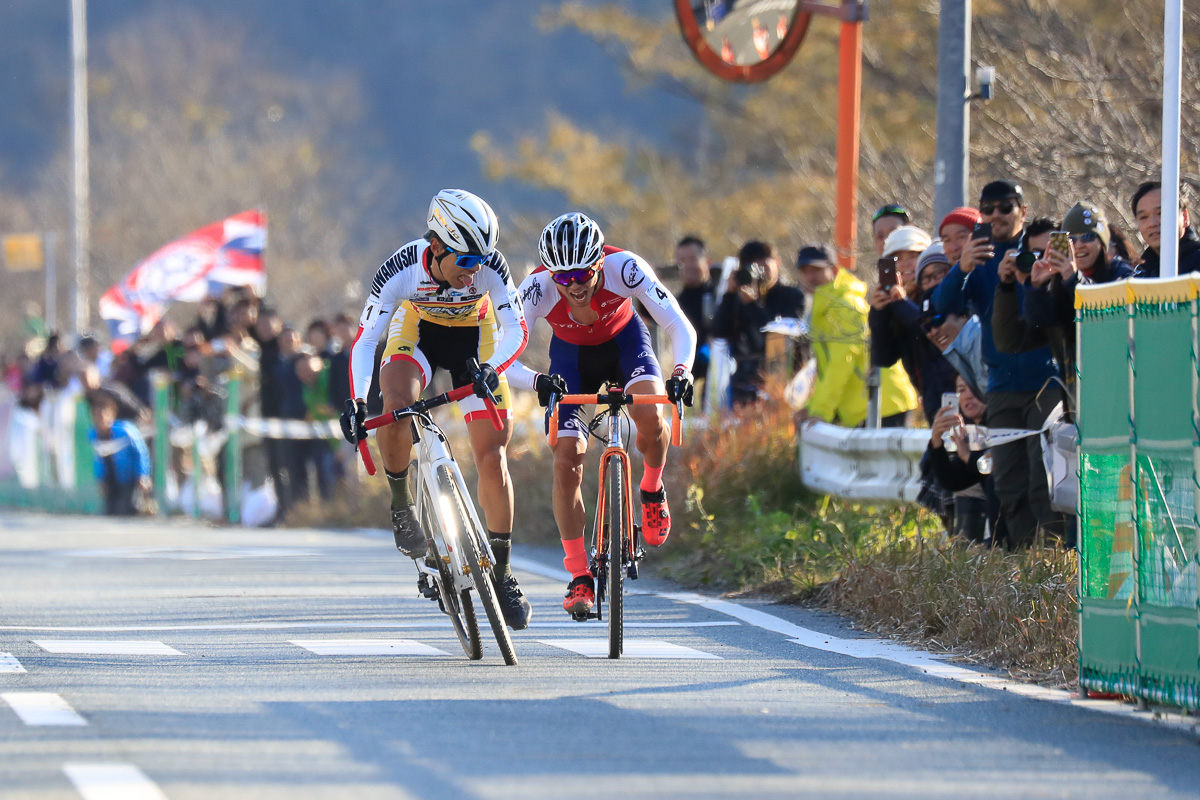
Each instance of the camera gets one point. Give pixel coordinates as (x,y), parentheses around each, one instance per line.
(1025,259)
(748,275)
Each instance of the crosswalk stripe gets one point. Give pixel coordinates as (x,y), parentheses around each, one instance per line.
(112,781)
(640,648)
(9,663)
(97,647)
(368,647)
(42,708)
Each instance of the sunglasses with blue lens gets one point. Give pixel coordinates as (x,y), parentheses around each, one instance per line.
(468,262)
(1085,238)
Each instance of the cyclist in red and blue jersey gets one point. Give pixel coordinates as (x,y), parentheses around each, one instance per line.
(584,290)
(446,300)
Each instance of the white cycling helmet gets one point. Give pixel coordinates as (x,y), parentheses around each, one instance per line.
(464,222)
(572,241)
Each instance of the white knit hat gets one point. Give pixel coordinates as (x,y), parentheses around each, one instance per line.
(906,239)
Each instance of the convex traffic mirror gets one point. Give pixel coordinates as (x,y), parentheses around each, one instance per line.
(743,40)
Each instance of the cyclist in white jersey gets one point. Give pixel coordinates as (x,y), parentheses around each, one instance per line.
(584,290)
(444,300)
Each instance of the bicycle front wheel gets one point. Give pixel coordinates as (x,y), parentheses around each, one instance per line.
(456,604)
(473,554)
(618,537)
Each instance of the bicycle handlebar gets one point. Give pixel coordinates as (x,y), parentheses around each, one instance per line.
(614,401)
(420,407)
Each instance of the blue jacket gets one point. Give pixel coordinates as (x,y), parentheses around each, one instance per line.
(974,292)
(131,460)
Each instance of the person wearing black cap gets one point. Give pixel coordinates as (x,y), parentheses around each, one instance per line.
(754,298)
(1014,379)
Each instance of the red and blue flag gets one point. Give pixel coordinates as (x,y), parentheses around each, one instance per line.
(189,269)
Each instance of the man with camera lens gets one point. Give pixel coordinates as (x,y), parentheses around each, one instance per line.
(1049,277)
(1014,379)
(753,298)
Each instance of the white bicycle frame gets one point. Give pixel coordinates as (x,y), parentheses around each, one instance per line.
(433,451)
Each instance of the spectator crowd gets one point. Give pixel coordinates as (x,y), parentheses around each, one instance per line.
(968,322)
(283,374)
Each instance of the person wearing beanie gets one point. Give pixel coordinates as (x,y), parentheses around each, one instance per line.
(1015,380)
(932,266)
(955,231)
(905,245)
(1048,313)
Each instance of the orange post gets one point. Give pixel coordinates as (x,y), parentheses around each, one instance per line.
(849,111)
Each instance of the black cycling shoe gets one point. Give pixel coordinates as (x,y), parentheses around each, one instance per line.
(406,528)
(513,605)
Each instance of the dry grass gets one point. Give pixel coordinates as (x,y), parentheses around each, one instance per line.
(1014,611)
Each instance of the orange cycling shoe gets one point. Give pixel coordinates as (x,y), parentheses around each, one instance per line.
(581,596)
(656,517)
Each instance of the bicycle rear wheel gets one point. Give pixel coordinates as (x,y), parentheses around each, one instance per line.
(457,605)
(618,536)
(481,571)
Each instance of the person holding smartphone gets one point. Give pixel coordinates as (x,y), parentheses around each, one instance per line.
(895,318)
(1014,379)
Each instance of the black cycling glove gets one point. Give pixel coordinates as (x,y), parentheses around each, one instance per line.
(679,387)
(354,420)
(547,385)
(486,381)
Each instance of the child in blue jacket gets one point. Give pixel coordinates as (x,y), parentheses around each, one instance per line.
(122,462)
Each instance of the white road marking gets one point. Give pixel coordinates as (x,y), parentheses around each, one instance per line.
(112,781)
(42,708)
(598,648)
(930,663)
(286,626)
(368,647)
(97,647)
(9,663)
(183,553)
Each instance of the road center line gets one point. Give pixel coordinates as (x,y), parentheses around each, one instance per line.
(42,708)
(112,781)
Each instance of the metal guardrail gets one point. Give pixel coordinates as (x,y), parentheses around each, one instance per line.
(859,464)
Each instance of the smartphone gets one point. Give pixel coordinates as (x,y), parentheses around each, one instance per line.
(950,400)
(983,230)
(1060,242)
(887,272)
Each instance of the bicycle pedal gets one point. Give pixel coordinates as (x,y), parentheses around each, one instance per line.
(632,571)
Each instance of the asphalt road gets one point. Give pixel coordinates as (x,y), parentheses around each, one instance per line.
(149,660)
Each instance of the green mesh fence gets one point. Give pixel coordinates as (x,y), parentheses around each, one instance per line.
(1139,609)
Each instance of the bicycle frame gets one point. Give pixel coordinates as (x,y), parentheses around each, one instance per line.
(614,400)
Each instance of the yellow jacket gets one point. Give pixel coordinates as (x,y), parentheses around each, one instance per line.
(839,336)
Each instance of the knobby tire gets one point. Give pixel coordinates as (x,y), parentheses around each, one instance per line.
(458,605)
(614,513)
(473,556)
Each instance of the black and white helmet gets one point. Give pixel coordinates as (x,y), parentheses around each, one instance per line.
(464,222)
(572,241)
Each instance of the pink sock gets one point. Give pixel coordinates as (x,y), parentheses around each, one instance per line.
(576,561)
(652,477)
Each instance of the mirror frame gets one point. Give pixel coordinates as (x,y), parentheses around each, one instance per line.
(755,73)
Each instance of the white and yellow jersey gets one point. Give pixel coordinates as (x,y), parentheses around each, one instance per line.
(404,279)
